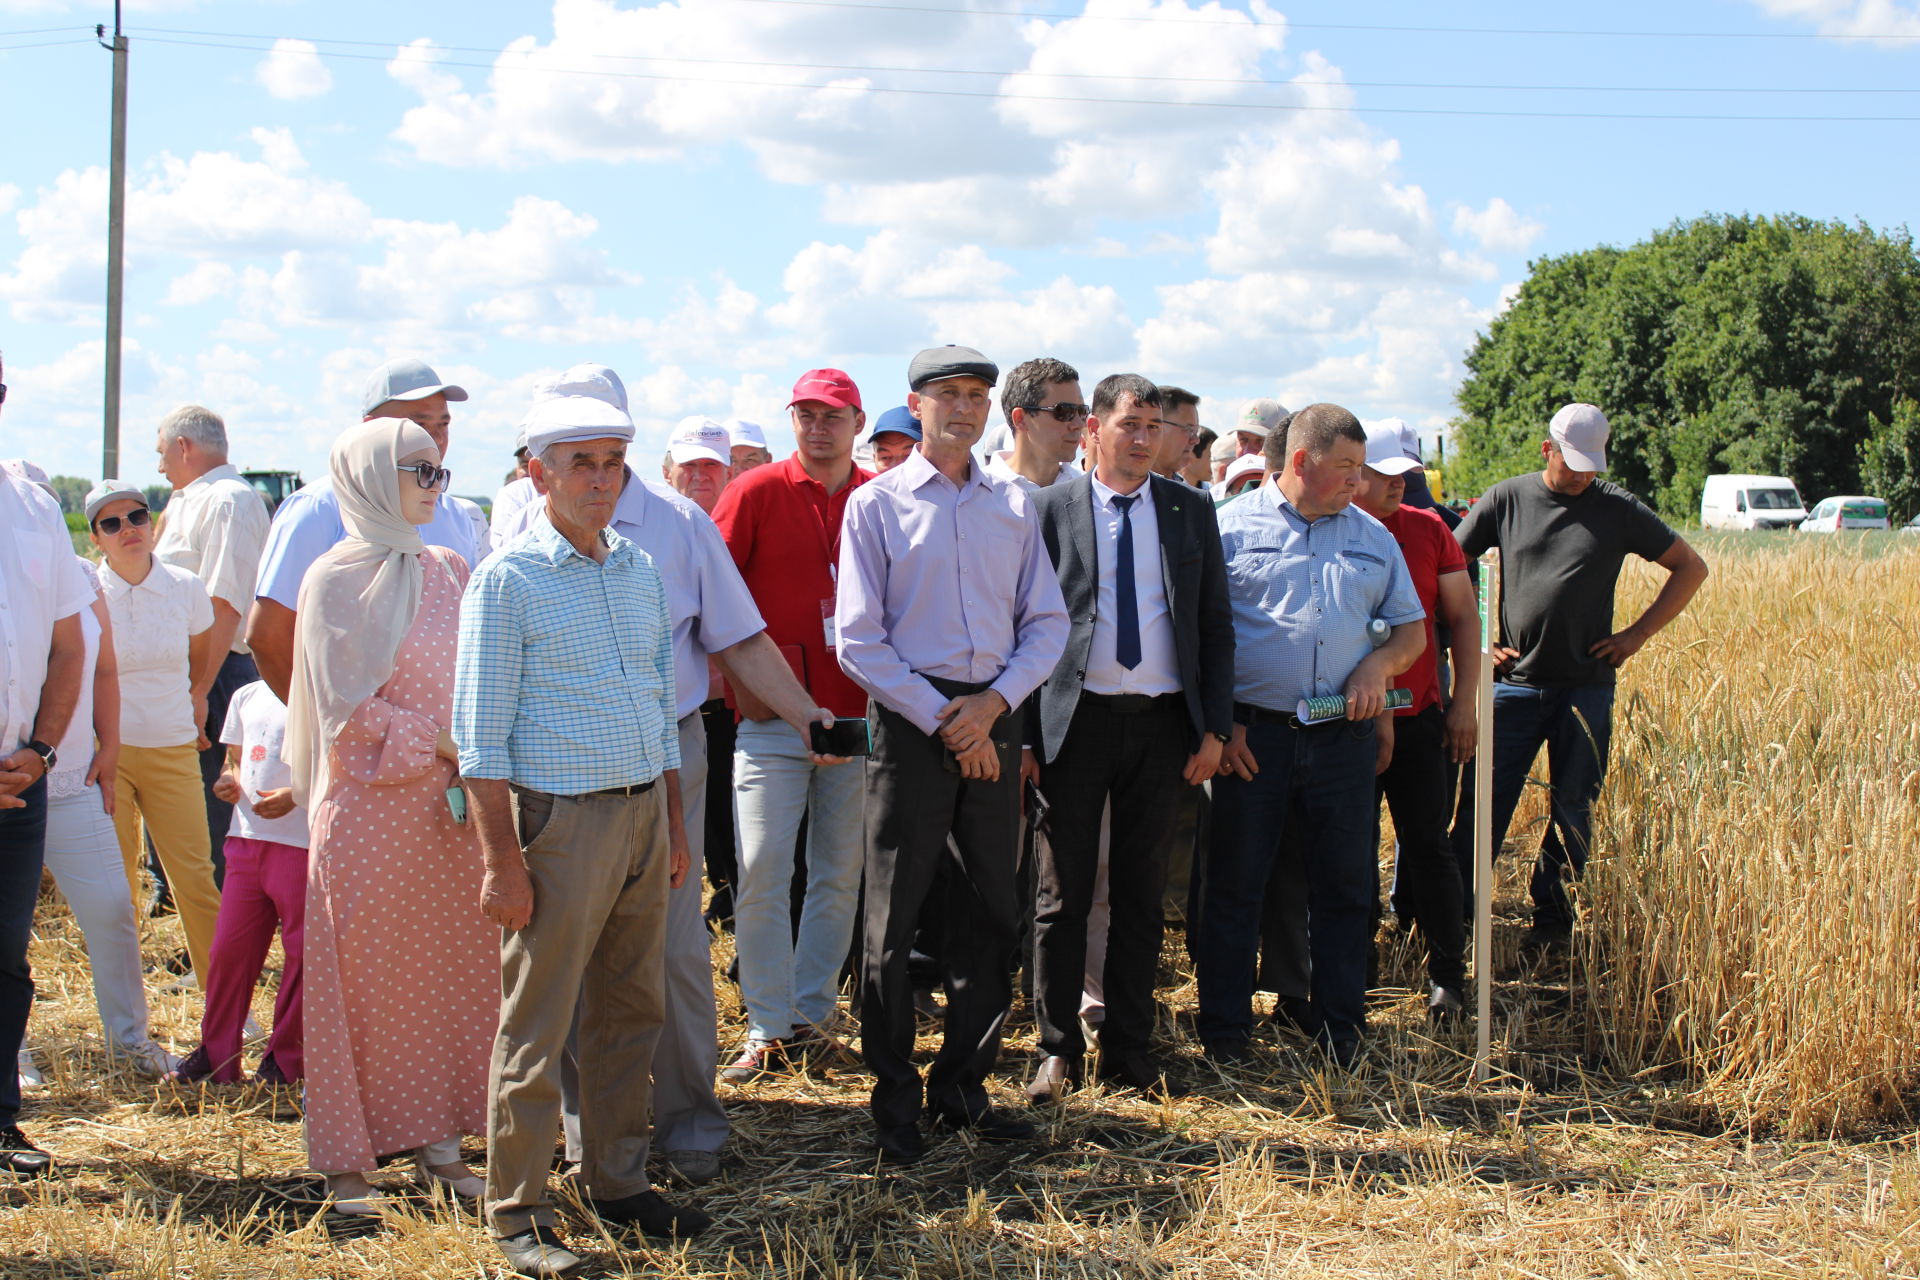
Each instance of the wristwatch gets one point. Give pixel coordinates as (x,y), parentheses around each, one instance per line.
(48,756)
(1225,739)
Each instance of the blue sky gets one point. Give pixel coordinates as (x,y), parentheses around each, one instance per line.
(715,195)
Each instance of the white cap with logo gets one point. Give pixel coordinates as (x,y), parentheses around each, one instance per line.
(700,439)
(1580,432)
(1387,447)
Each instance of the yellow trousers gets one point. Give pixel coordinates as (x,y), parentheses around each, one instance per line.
(160,789)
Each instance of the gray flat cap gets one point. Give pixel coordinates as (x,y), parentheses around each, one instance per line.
(936,364)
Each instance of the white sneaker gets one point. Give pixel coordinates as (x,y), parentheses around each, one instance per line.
(149,1059)
(30,1077)
(252,1033)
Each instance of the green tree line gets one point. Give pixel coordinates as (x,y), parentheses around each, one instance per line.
(1777,345)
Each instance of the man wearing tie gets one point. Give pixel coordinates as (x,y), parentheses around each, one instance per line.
(949,616)
(1137,710)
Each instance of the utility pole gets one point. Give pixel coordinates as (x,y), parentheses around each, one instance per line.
(116,246)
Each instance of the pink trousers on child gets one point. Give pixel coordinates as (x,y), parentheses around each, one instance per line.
(266,888)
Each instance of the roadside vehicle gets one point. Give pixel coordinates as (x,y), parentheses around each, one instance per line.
(1750,502)
(1847,512)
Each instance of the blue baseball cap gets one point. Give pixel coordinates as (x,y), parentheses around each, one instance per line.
(898,420)
(407,378)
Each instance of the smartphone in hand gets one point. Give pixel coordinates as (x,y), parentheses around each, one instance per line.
(848,736)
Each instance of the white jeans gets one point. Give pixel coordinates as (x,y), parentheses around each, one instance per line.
(83,852)
(787,983)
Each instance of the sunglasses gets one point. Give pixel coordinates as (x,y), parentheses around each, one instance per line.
(429,476)
(1062,412)
(134,519)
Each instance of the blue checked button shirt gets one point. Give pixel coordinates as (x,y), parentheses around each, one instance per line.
(564,681)
(1303,594)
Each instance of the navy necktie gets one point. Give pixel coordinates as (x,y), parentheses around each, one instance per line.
(1126,640)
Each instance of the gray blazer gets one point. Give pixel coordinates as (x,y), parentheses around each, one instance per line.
(1194,574)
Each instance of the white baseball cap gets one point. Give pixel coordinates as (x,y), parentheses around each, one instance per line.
(1260,417)
(111,491)
(561,419)
(698,438)
(1580,431)
(1387,448)
(1246,465)
(742,432)
(407,378)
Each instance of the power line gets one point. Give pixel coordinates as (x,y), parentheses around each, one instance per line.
(46,44)
(1068,98)
(41,31)
(1069,75)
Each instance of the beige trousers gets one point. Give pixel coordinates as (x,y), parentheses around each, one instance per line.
(599,866)
(160,788)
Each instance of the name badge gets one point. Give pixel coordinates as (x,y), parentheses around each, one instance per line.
(827,629)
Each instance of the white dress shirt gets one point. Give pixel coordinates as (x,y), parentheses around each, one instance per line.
(1159,668)
(152,622)
(41,582)
(215,529)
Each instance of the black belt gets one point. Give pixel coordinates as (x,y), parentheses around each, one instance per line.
(1130,704)
(955,688)
(1248,714)
(631,789)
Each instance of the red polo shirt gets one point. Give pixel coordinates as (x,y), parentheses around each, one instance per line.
(1430,550)
(783,529)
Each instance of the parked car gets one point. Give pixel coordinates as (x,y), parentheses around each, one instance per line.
(1750,502)
(1849,512)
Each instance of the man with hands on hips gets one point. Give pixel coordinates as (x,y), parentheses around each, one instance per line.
(1307,574)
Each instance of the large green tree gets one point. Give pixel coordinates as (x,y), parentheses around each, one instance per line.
(1777,345)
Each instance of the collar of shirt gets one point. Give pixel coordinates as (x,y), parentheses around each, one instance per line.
(1103,496)
(225,471)
(1270,494)
(918,471)
(556,550)
(156,581)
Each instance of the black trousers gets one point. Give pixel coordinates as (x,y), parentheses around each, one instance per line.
(1132,760)
(722,857)
(235,672)
(914,804)
(1428,882)
(23,843)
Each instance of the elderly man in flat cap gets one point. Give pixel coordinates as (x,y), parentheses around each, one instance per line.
(949,615)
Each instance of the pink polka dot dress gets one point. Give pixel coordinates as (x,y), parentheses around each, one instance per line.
(402,969)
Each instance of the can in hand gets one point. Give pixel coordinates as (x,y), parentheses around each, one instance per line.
(1334,706)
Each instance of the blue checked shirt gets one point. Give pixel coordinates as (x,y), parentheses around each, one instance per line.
(1303,593)
(564,681)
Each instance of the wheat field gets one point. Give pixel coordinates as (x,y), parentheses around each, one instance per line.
(1716,1084)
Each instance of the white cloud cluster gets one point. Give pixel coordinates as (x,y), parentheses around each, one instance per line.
(293,70)
(1885,22)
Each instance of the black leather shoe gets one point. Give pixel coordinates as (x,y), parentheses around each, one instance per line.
(1295,1013)
(988,1125)
(1052,1079)
(653,1216)
(1137,1070)
(537,1252)
(899,1144)
(1228,1053)
(20,1157)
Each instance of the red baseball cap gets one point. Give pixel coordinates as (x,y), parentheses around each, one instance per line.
(829,386)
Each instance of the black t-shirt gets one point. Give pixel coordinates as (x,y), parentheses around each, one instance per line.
(1560,558)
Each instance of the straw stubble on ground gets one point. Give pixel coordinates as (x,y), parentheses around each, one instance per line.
(1613,1141)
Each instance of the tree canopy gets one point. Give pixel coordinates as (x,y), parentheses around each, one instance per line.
(1777,345)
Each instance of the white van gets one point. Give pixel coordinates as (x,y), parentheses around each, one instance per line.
(1750,502)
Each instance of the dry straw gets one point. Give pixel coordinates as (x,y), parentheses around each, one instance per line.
(1716,1086)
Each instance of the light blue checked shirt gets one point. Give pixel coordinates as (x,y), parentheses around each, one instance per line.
(564,681)
(1303,594)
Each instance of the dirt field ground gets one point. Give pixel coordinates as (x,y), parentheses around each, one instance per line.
(1716,1085)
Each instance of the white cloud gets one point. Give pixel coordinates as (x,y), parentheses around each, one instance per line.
(9,197)
(1866,19)
(1498,228)
(294,70)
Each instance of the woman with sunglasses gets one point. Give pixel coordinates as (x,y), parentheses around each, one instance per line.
(401,967)
(161,617)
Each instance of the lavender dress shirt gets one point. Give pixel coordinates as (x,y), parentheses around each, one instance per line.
(946,580)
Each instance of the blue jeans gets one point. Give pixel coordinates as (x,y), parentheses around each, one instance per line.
(1321,779)
(23,840)
(1576,726)
(786,982)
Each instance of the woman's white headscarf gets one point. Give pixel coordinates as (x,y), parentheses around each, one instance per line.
(358,601)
